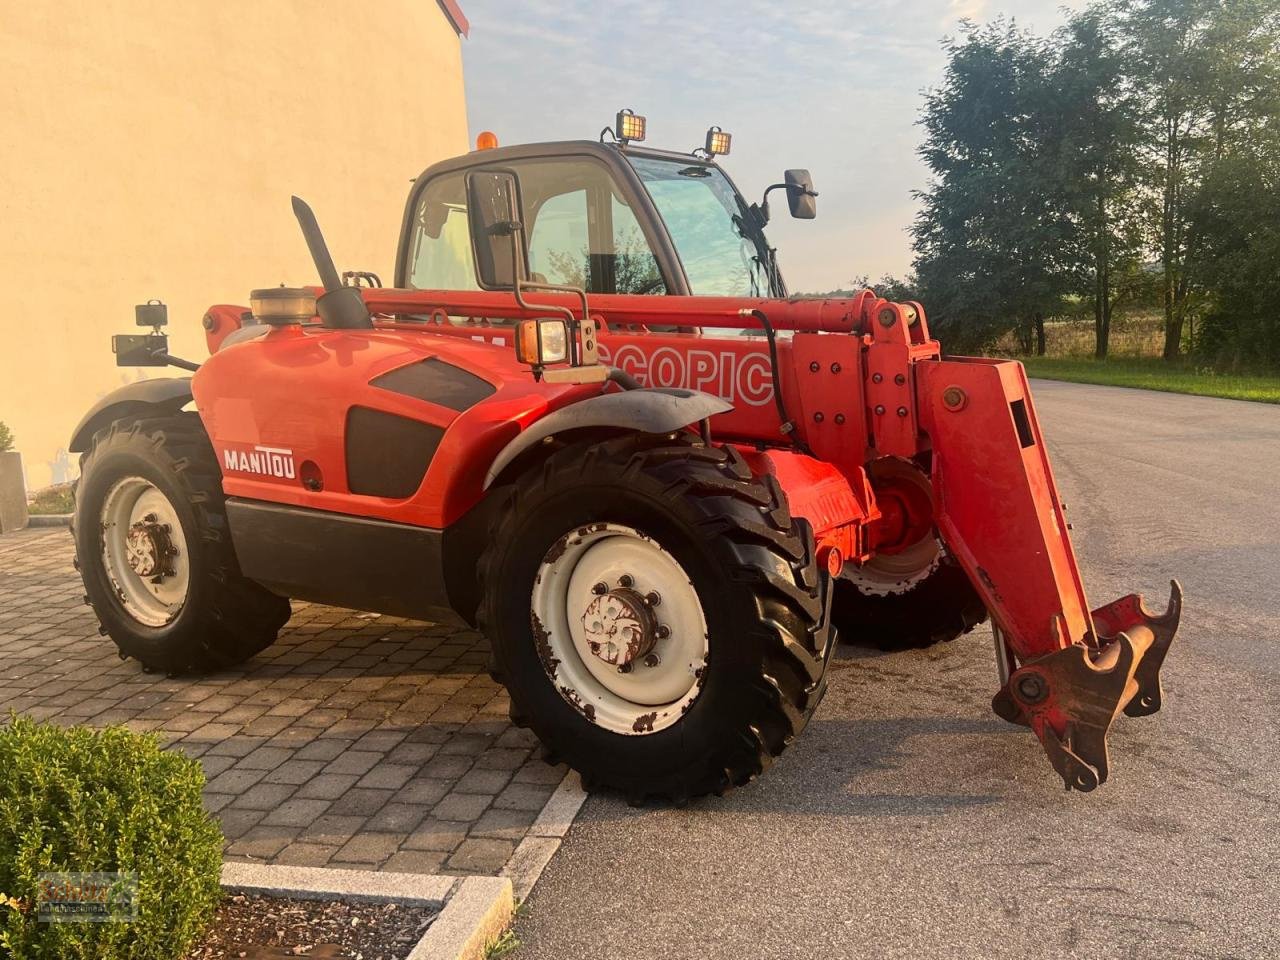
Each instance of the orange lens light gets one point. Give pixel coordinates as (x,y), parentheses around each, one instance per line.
(718,141)
(487,140)
(630,126)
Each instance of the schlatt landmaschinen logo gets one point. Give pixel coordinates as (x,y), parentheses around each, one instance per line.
(87,897)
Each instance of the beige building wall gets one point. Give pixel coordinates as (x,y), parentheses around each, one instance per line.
(148,148)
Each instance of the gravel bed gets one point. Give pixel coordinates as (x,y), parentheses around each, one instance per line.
(256,927)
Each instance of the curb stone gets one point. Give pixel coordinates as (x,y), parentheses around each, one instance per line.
(474,910)
(49,519)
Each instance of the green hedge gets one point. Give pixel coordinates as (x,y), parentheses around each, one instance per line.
(84,800)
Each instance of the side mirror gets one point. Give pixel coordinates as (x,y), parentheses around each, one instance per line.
(497,235)
(801,196)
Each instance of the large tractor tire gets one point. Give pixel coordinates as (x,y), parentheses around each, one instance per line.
(940,607)
(657,616)
(913,596)
(155,553)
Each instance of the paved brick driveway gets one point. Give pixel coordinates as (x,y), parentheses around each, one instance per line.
(354,741)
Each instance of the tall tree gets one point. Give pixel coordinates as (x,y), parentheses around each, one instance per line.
(994,231)
(1100,129)
(1204,69)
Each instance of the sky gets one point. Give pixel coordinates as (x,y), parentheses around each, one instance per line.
(831,85)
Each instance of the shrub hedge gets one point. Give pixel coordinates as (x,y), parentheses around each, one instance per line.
(84,800)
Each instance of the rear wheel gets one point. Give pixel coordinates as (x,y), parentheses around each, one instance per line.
(154,550)
(915,594)
(656,615)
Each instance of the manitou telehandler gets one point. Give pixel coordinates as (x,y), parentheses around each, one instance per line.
(589,419)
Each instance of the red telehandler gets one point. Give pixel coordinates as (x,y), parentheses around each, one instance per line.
(589,419)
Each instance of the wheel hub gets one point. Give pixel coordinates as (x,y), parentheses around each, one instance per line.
(150,549)
(620,626)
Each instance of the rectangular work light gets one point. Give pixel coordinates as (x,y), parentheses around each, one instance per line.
(540,342)
(629,126)
(718,141)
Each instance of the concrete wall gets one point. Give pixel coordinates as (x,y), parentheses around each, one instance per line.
(148,148)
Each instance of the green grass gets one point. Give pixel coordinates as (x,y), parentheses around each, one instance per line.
(1155,374)
(56,499)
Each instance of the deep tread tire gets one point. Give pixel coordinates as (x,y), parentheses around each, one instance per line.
(226,618)
(938,609)
(755,572)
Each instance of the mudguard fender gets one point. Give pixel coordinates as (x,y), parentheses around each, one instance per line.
(165,394)
(651,410)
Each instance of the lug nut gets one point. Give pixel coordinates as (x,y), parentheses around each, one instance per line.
(600,589)
(624,668)
(652,660)
(626,581)
(653,598)
(663,631)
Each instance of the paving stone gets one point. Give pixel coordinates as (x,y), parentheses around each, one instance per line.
(482,781)
(360,802)
(391,776)
(353,761)
(297,812)
(295,772)
(332,829)
(423,791)
(481,855)
(463,807)
(260,843)
(304,854)
(439,835)
(264,796)
(327,786)
(265,758)
(397,817)
(416,861)
(368,848)
(321,750)
(503,824)
(523,796)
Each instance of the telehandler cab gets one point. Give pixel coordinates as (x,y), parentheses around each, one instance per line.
(589,419)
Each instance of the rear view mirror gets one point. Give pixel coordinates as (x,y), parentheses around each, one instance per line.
(497,235)
(801,196)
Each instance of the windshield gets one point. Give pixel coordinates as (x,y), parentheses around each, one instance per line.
(723,255)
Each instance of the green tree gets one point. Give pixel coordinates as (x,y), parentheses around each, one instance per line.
(1098,165)
(1206,73)
(994,237)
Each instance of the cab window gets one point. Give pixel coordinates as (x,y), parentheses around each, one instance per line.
(581,231)
(440,256)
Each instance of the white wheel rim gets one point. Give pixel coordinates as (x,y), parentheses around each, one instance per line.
(144,551)
(574,624)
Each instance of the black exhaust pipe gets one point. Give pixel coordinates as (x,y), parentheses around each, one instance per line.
(339,307)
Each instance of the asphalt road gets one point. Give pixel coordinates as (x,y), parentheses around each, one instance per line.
(910,822)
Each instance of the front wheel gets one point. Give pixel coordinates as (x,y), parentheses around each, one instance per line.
(154,550)
(657,616)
